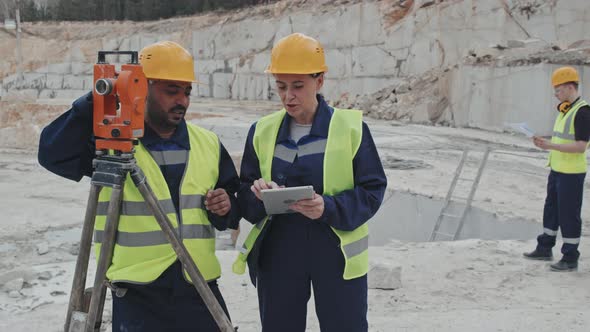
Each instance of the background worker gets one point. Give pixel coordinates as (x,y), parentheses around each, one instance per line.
(182,162)
(567,159)
(324,244)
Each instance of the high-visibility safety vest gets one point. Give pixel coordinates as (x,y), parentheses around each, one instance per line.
(564,132)
(344,138)
(142,251)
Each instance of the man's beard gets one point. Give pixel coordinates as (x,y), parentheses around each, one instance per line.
(161,119)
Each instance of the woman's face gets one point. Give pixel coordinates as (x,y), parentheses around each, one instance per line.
(298,95)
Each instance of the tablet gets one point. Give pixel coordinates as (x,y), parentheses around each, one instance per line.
(277,201)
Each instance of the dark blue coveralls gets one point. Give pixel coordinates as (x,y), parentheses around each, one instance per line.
(170,303)
(295,253)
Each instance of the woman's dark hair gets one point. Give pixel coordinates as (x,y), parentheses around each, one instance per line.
(315,75)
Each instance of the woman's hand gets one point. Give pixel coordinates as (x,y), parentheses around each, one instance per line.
(261,184)
(312,208)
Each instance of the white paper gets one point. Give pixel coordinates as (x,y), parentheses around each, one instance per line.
(523,128)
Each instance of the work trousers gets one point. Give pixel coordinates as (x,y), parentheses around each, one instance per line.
(168,304)
(563,207)
(297,256)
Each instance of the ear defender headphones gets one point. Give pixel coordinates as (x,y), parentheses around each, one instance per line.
(564,107)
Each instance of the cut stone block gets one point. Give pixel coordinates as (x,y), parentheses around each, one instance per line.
(14,285)
(54,81)
(385,275)
(73,82)
(82,68)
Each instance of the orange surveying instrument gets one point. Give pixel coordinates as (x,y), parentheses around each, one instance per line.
(119,103)
(118,123)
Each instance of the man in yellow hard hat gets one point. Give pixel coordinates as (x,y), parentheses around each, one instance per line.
(182,162)
(567,159)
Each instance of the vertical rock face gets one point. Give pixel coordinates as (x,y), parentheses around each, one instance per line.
(485,55)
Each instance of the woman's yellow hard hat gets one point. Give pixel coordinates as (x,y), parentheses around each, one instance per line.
(297,54)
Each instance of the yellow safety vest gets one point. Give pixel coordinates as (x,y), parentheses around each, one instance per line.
(141,251)
(564,132)
(344,138)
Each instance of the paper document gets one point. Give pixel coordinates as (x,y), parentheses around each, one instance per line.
(523,128)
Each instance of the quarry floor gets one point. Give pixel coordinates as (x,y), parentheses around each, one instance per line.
(467,285)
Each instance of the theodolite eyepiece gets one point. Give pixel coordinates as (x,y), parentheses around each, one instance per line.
(103,87)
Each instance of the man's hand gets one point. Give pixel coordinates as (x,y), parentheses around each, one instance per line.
(217,201)
(542,143)
(261,184)
(311,208)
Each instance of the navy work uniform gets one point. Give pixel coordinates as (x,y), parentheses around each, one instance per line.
(294,253)
(168,303)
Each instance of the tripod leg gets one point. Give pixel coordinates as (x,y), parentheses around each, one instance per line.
(79,283)
(106,255)
(199,282)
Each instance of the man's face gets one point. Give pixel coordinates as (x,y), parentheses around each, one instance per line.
(167,102)
(563,92)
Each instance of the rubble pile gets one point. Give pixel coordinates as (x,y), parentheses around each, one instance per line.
(420,99)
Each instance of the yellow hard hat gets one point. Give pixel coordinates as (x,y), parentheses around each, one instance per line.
(167,60)
(564,75)
(297,54)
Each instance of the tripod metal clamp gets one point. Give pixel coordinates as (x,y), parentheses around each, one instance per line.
(111,170)
(138,176)
(118,291)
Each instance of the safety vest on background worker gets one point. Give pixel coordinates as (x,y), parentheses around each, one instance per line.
(564,132)
(344,138)
(142,252)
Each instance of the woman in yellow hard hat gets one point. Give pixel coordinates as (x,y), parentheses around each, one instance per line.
(323,241)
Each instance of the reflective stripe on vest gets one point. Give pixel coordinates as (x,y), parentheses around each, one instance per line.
(288,155)
(142,251)
(564,132)
(344,137)
(172,157)
(154,238)
(141,208)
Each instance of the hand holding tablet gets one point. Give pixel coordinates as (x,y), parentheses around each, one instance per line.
(278,200)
